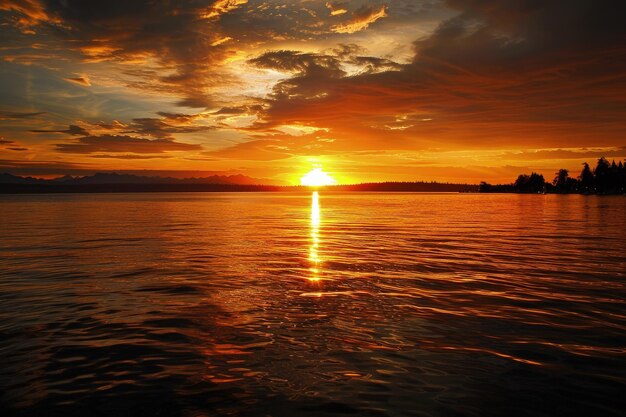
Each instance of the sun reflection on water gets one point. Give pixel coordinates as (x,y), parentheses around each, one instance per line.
(314,257)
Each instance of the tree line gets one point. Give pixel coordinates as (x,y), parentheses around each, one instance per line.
(605,178)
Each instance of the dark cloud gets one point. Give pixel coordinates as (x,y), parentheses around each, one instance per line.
(21,167)
(311,72)
(5,142)
(71,130)
(370,64)
(8,115)
(299,62)
(123,143)
(17,149)
(323,65)
(163,128)
(528,72)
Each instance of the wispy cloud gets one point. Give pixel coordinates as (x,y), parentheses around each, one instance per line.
(361,19)
(336,8)
(10,115)
(123,143)
(71,130)
(80,80)
(221,7)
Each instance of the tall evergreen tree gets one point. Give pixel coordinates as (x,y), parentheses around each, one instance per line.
(560,181)
(587,179)
(602,174)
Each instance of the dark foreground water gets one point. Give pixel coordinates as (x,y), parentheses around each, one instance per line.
(296,305)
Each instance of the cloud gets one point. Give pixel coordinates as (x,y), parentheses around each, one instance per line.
(221,7)
(71,130)
(361,19)
(114,125)
(370,64)
(22,167)
(530,74)
(123,143)
(54,168)
(254,150)
(309,71)
(336,8)
(8,115)
(221,40)
(277,144)
(17,149)
(5,142)
(171,40)
(80,80)
(164,128)
(238,110)
(29,13)
(577,153)
(130,156)
(298,62)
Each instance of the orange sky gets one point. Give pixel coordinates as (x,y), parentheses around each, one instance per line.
(455,90)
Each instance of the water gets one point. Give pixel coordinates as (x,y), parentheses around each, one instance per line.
(332,304)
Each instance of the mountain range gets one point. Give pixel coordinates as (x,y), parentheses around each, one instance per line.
(115,178)
(113,183)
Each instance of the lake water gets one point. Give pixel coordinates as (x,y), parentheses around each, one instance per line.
(312,304)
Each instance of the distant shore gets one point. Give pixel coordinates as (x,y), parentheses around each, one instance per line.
(164,188)
(605,179)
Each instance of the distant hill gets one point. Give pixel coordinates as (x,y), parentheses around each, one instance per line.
(115,178)
(14,179)
(113,182)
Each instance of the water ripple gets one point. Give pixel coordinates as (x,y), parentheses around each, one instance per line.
(331,304)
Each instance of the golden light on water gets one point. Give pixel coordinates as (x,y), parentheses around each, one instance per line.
(315,238)
(317,178)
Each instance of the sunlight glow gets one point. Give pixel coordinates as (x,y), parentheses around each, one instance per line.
(317,178)
(315,240)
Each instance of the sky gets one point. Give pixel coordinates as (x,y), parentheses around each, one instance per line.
(400,90)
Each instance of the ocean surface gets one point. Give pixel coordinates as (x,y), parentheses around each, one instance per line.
(365,304)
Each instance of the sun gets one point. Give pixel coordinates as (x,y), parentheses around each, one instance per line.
(317,178)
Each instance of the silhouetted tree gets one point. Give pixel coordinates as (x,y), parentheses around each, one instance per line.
(586,179)
(602,174)
(560,181)
(533,183)
(613,182)
(606,178)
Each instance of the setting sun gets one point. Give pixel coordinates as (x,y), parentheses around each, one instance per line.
(317,178)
